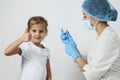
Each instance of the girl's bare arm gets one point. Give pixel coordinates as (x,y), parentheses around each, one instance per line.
(49,74)
(13,48)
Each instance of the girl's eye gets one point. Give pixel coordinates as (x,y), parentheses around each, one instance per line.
(34,30)
(41,31)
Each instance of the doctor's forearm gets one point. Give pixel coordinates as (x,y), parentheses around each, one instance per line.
(81,62)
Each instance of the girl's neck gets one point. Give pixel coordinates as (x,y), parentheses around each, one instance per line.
(38,45)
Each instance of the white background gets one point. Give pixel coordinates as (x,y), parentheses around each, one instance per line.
(67,14)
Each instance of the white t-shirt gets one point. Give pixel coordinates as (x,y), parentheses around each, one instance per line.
(33,61)
(104,58)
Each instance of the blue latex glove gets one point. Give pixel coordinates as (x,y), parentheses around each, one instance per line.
(70,45)
(72,51)
(67,39)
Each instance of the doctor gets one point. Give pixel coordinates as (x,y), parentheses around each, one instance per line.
(103,60)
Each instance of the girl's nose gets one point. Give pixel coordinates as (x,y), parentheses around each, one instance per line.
(37,33)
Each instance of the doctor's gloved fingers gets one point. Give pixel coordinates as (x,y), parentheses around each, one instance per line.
(64,38)
(63,32)
(71,39)
(68,33)
(64,35)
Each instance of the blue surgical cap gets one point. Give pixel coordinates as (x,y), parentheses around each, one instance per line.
(100,10)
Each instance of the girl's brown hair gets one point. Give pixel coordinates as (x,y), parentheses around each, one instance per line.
(37,20)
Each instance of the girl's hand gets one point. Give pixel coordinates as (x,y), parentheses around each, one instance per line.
(26,36)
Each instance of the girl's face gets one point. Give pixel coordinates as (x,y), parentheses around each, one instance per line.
(37,32)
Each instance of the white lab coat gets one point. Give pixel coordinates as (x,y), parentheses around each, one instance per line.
(104,58)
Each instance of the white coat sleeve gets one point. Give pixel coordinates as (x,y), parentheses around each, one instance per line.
(104,55)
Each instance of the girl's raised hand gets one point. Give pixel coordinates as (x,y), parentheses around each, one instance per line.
(26,36)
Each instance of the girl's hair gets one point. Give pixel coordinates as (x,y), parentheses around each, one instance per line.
(37,20)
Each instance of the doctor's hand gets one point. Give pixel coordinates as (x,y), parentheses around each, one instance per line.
(67,39)
(72,51)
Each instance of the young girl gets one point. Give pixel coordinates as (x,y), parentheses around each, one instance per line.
(35,57)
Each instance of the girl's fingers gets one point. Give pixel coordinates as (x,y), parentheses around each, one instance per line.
(26,31)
